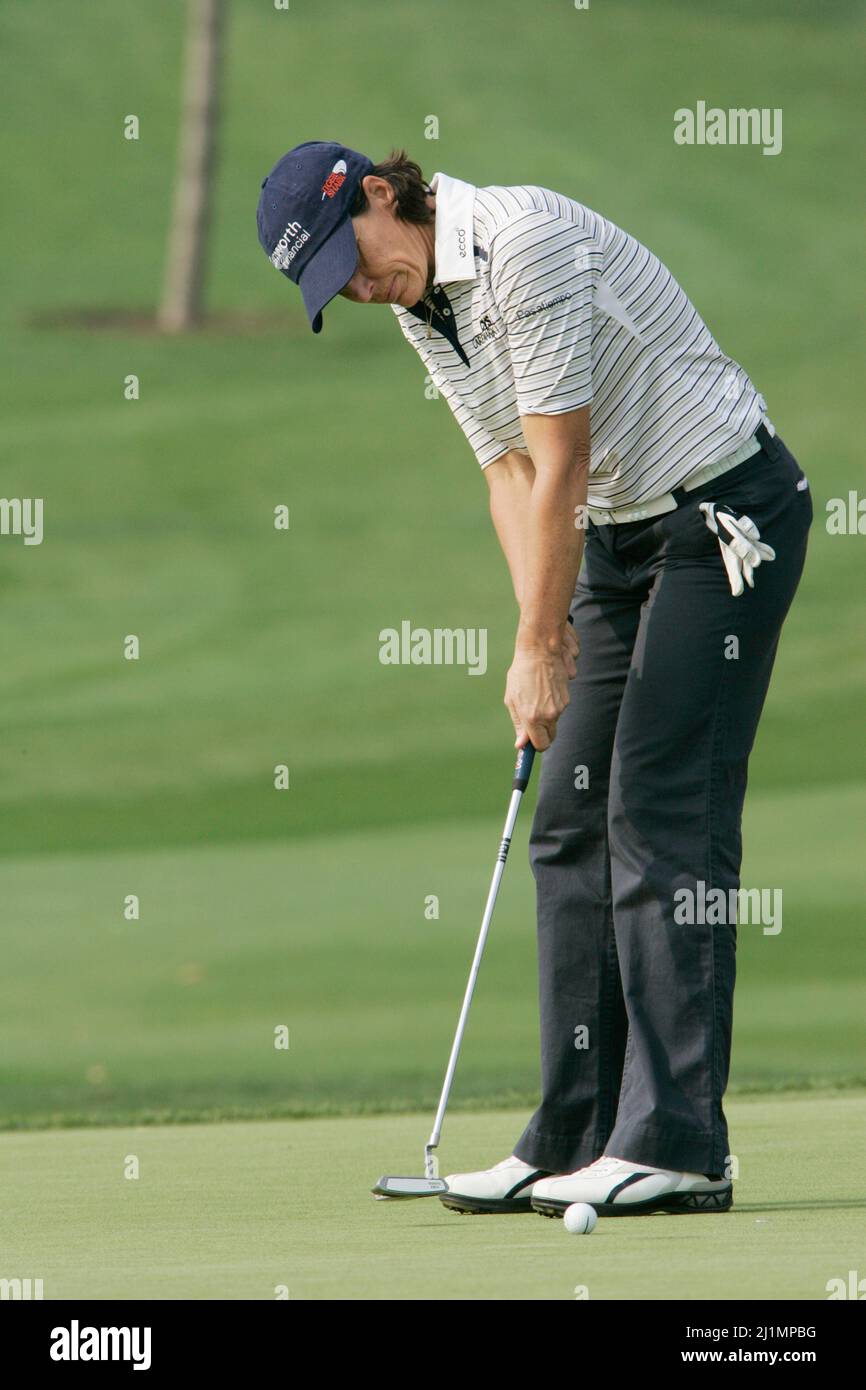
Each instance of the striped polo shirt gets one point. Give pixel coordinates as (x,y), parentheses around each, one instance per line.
(540,305)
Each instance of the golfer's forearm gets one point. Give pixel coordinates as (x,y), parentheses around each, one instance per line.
(554,546)
(509,510)
(510,483)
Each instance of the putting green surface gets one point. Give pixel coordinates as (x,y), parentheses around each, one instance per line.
(236,1211)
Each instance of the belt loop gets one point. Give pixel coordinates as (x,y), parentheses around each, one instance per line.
(768,442)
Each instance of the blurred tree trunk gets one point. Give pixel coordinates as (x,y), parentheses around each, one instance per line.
(182,300)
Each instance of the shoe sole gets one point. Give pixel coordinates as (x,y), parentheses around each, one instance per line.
(487,1206)
(676,1204)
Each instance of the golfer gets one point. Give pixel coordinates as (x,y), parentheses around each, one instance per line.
(613,430)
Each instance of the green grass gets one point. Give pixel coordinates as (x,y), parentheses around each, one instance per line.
(173,1015)
(238,1211)
(306,908)
(260,647)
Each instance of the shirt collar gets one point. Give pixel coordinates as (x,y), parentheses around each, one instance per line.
(455,215)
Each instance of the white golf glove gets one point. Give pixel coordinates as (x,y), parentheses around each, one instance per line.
(742,548)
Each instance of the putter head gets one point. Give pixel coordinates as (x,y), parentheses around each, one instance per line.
(409,1187)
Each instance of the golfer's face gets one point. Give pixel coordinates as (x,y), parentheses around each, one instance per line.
(392,261)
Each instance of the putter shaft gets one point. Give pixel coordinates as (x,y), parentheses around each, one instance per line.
(521,781)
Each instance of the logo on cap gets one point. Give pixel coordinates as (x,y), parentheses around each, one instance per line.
(289,245)
(335,179)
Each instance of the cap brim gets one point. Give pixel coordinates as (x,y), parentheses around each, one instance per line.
(328,271)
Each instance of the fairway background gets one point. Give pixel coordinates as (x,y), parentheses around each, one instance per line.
(306,908)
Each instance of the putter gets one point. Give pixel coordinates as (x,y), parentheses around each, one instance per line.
(431,1185)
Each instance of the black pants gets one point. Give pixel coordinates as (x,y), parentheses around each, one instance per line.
(636,1010)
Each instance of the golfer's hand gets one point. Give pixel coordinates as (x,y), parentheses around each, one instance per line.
(570,651)
(536,693)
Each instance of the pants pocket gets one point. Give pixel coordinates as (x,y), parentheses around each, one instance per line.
(685,533)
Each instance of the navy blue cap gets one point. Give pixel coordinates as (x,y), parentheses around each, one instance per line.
(304,223)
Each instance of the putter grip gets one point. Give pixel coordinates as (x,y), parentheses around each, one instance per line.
(522,768)
(525,759)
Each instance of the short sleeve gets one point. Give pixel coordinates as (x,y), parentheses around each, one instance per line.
(543,274)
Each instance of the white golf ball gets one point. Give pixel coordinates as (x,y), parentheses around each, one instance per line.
(580,1219)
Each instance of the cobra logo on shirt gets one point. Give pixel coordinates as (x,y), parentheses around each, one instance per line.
(488,331)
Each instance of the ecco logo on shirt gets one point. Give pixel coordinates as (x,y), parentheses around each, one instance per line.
(543,304)
(488,331)
(461,242)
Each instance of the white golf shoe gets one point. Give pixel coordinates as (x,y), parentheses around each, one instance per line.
(617,1187)
(507,1187)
